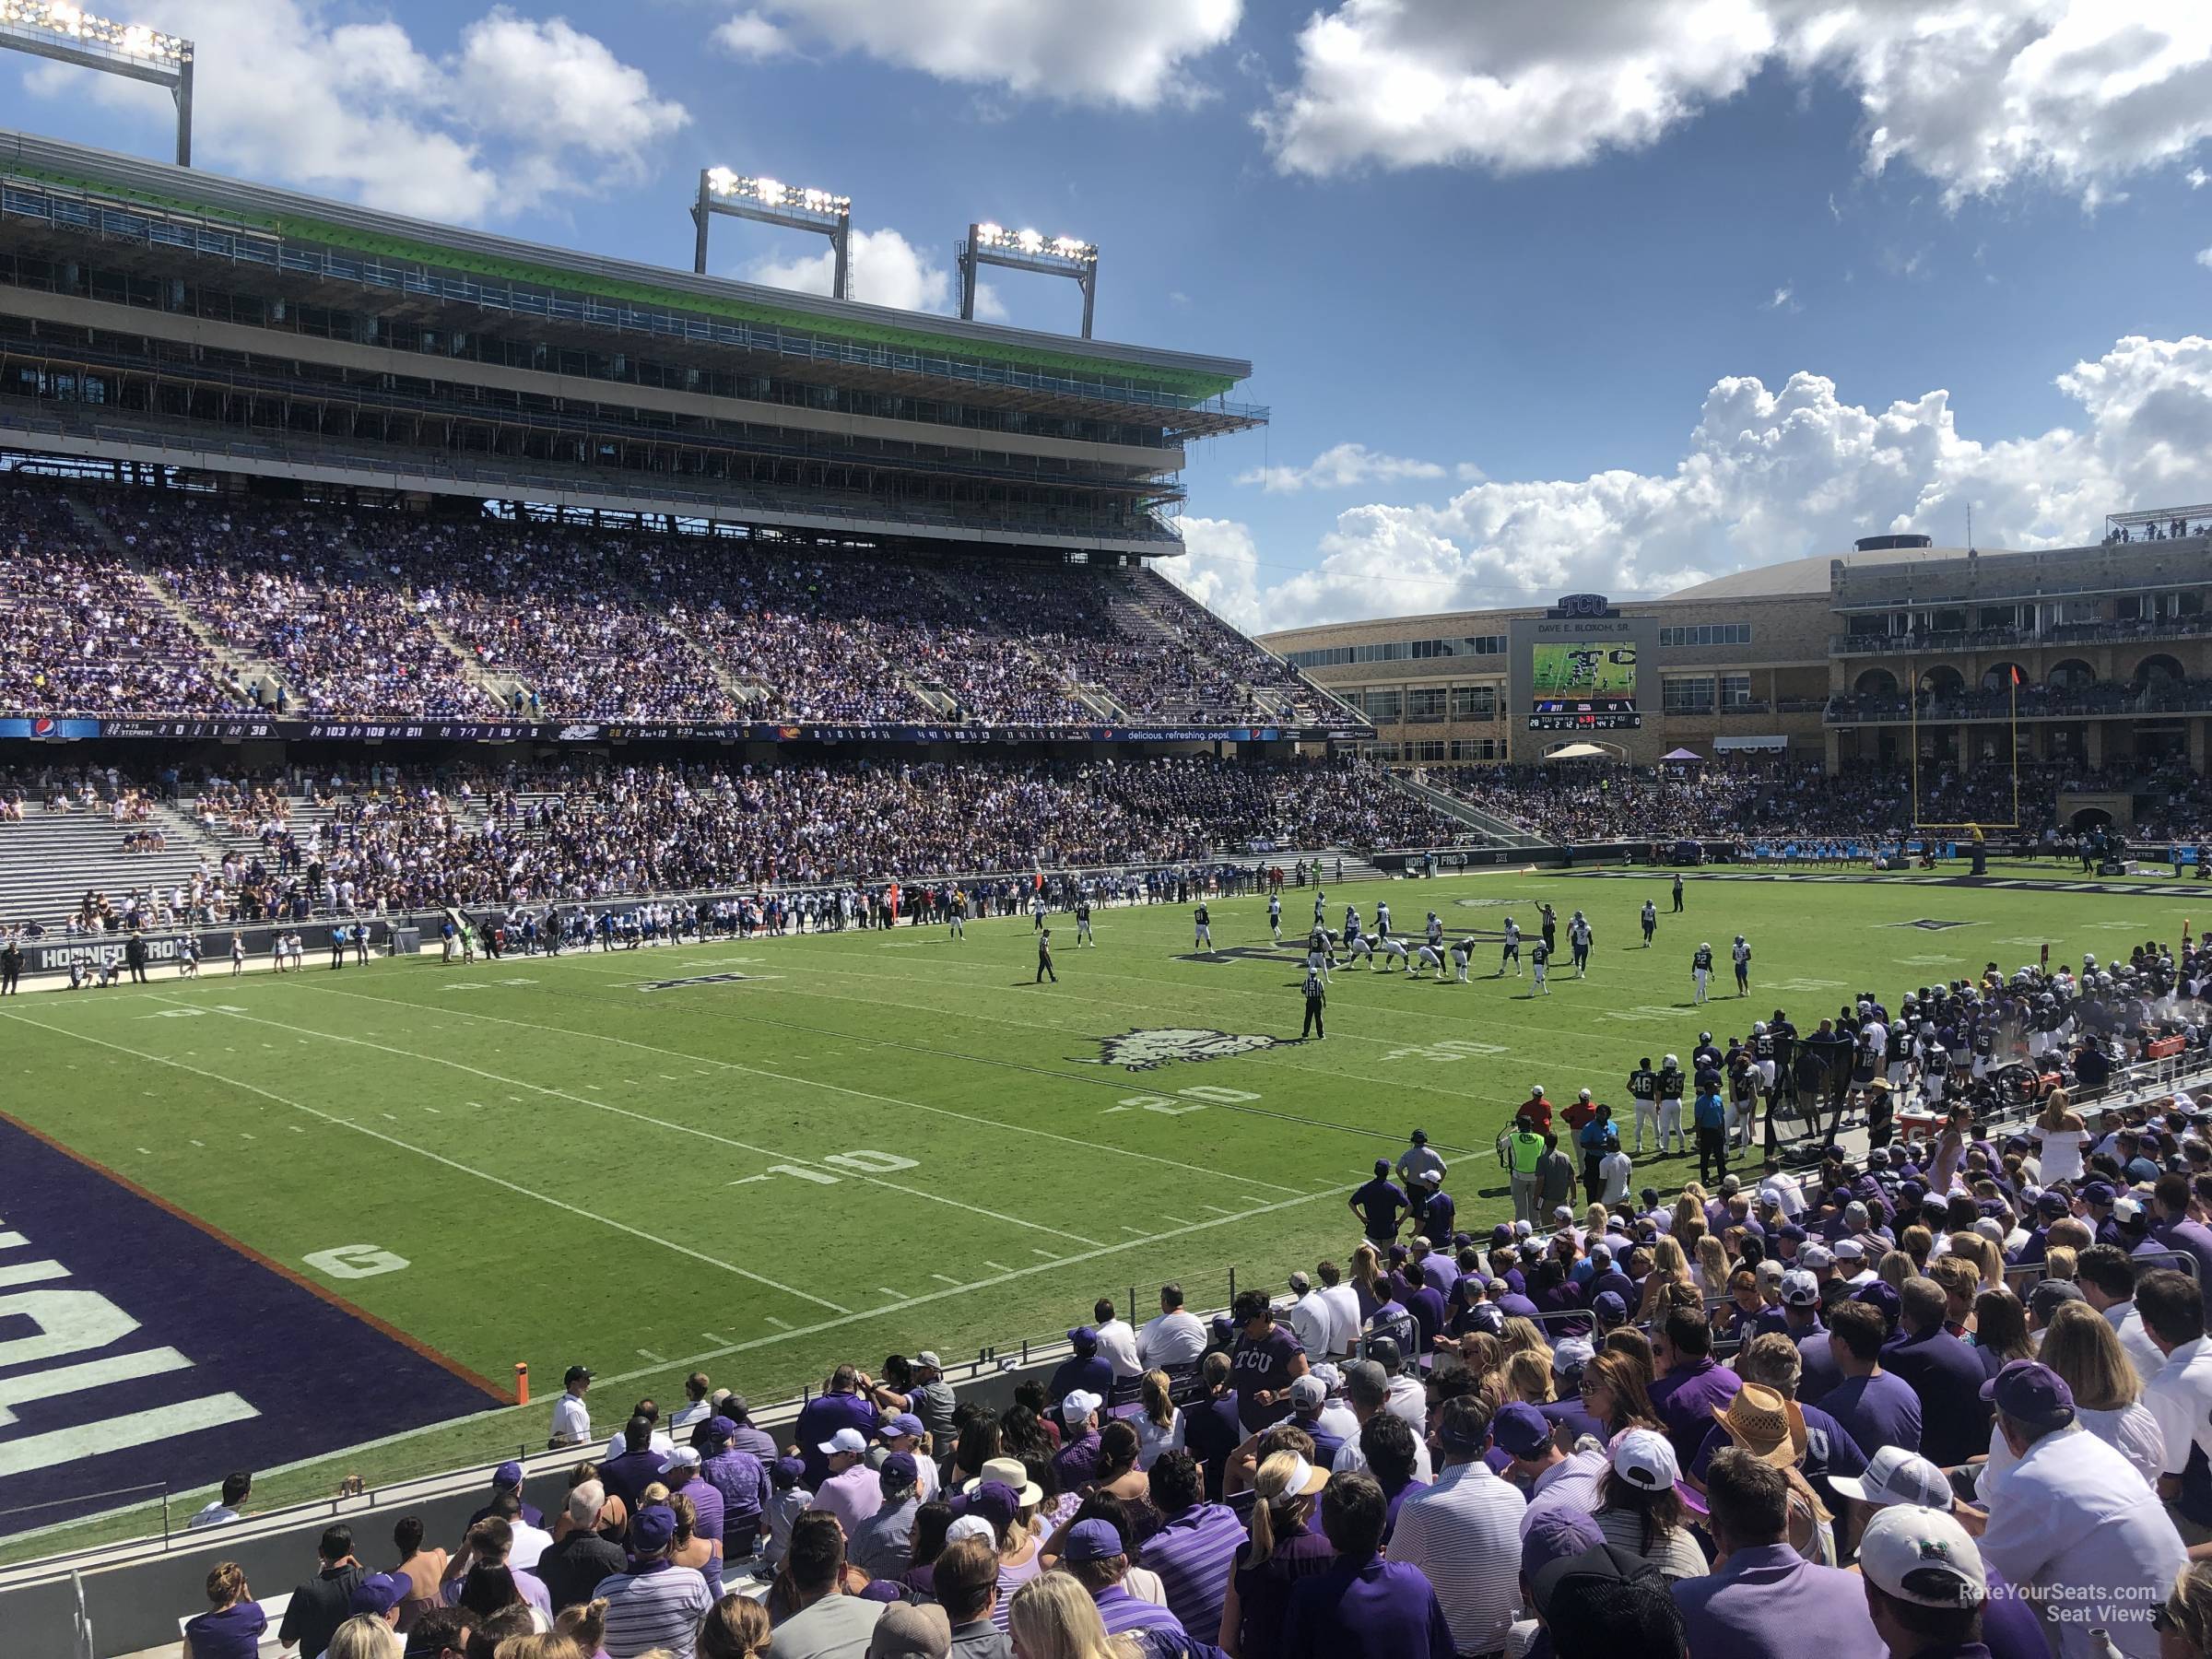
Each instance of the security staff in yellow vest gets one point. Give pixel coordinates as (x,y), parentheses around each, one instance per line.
(1523,1149)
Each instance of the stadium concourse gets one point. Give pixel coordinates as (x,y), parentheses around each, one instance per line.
(1967,1362)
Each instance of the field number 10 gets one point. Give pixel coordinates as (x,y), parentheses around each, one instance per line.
(863,1162)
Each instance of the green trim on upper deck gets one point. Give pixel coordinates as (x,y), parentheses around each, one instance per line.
(155,185)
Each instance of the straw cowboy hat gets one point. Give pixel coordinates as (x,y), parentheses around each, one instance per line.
(1764,1424)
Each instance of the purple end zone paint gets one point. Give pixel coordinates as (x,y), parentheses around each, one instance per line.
(135,1347)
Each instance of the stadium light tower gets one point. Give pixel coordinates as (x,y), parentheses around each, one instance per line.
(1027,251)
(69,34)
(772,203)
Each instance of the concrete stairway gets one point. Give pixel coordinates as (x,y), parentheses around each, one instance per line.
(1503,832)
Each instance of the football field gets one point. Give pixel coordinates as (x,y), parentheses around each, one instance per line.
(333,1210)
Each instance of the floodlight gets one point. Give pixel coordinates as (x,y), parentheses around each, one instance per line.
(772,202)
(1027,250)
(69,34)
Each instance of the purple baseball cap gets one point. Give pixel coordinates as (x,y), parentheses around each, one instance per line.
(996,1502)
(1083,1339)
(2032,1393)
(906,1422)
(651,1529)
(380,1593)
(1094,1541)
(509,1474)
(899,1471)
(1520,1429)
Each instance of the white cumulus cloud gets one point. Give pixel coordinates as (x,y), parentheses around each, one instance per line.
(1768,475)
(289,91)
(1137,52)
(1337,467)
(1220,569)
(886,270)
(1976,94)
(750,36)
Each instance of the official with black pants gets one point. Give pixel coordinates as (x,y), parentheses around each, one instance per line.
(1044,959)
(134,958)
(1317,997)
(11,966)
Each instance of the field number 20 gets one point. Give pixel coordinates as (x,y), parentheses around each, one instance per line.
(863,1162)
(1187,1100)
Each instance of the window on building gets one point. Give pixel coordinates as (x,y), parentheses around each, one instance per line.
(1431,750)
(1707,633)
(1687,694)
(1426,703)
(1735,690)
(1474,702)
(1478,749)
(1378,752)
(1385,706)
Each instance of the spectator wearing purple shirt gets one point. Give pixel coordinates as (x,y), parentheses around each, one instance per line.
(1096,1555)
(1284,1549)
(1265,1361)
(850,1491)
(1772,1360)
(1194,1549)
(741,1435)
(1875,1408)
(1762,1599)
(1363,1607)
(1943,1374)
(1691,1387)
(1086,1369)
(627,1477)
(2172,1228)
(1380,1204)
(741,1479)
(231,1626)
(839,1405)
(506,1478)
(1077,1460)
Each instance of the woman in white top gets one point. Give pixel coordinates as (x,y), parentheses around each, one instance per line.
(1159,1427)
(1639,1508)
(2081,1345)
(2059,1134)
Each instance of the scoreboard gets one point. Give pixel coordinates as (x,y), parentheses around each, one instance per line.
(1575,669)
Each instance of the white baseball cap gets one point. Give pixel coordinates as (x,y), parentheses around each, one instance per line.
(1644,1458)
(1922,1556)
(1800,1288)
(1078,1404)
(1895,1475)
(845,1439)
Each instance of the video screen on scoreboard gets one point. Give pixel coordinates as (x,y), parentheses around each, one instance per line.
(1589,684)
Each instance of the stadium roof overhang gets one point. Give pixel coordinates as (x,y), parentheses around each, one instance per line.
(323,251)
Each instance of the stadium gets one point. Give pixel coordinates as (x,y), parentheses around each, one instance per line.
(610,876)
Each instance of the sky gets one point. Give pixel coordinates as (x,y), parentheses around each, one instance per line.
(1612,296)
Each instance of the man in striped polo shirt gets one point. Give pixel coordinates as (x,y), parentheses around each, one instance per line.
(1195,1552)
(655,1604)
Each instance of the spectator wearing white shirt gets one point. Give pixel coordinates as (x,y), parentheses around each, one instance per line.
(696,1408)
(1367,1390)
(530,1542)
(658,1440)
(2109,1284)
(2073,1522)
(571,1419)
(1160,1425)
(2179,1394)
(1343,1303)
(1308,1316)
(1463,1532)
(1117,1340)
(1176,1338)
(236,1486)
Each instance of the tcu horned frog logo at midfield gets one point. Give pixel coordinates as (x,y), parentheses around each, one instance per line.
(1146,1051)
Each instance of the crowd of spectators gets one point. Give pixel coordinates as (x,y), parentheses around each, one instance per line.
(315,611)
(1934,1398)
(81,631)
(406,843)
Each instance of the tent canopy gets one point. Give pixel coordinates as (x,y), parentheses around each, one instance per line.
(1576,751)
(1681,754)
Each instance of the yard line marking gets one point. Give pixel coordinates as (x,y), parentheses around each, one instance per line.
(1177,1219)
(390,1119)
(433,1111)
(1249,1199)
(649,1353)
(1047,1254)
(998,1268)
(438,1158)
(859,1094)
(670,1077)
(946,1277)
(745,1180)
(1138,1231)
(669,1124)
(774,1320)
(195,1143)
(1217,1210)
(146,1152)
(244,1135)
(295,1129)
(894,1295)
(711,1338)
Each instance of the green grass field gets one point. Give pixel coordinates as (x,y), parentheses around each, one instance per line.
(878,1142)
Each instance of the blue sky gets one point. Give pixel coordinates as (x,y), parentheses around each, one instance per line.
(1608,296)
